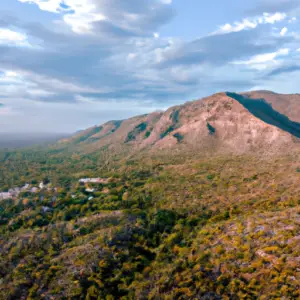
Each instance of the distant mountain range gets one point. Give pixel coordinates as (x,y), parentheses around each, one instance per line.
(224,122)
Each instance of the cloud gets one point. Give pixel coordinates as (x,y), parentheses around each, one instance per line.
(283,31)
(273,6)
(13,84)
(10,37)
(293,20)
(284,70)
(236,46)
(261,61)
(131,17)
(95,60)
(147,68)
(251,23)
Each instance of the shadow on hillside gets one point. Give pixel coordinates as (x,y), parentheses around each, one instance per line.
(265,112)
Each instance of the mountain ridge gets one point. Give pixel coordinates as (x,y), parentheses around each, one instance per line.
(238,123)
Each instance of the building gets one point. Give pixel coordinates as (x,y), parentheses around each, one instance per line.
(34,190)
(94,180)
(5,195)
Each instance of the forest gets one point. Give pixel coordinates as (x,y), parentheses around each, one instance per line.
(179,226)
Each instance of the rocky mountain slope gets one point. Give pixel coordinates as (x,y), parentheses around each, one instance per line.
(285,104)
(231,122)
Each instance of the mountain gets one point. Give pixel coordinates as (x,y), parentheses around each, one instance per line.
(230,122)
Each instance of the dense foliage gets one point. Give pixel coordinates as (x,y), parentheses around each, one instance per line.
(168,227)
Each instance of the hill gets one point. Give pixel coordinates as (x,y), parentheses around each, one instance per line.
(224,122)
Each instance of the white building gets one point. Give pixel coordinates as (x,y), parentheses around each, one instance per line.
(94,180)
(5,195)
(25,187)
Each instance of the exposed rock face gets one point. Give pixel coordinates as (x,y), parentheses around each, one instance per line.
(237,123)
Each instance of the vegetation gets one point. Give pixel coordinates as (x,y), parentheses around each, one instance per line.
(211,129)
(136,131)
(175,116)
(147,134)
(83,138)
(179,137)
(160,227)
(169,129)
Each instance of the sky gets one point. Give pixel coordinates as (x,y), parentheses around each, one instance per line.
(66,65)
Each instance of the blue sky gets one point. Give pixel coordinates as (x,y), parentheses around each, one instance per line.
(69,64)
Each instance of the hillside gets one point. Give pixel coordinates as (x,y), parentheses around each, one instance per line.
(285,104)
(171,205)
(256,121)
(155,227)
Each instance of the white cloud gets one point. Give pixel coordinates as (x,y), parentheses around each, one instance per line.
(62,86)
(17,83)
(283,31)
(237,26)
(293,20)
(251,23)
(81,15)
(117,54)
(131,56)
(57,6)
(273,18)
(262,61)
(83,12)
(9,79)
(11,74)
(10,37)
